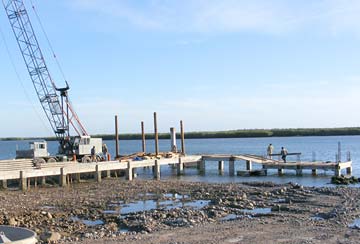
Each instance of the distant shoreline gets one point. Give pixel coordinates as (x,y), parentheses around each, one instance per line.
(250,133)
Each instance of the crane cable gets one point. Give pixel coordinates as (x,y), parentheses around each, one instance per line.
(79,124)
(48,41)
(21,81)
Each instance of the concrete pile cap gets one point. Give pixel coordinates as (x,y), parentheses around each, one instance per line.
(16,235)
(3,238)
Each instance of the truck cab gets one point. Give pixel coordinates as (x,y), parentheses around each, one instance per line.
(38,149)
(81,148)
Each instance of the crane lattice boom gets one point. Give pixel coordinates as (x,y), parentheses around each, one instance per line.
(57,108)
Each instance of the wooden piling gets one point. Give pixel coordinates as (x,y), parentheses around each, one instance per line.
(62,177)
(97,174)
(116,138)
(143,137)
(182,137)
(265,168)
(202,167)
(221,166)
(180,167)
(78,177)
(129,172)
(248,165)
(108,174)
(173,147)
(157,171)
(198,164)
(156,135)
(314,172)
(337,170)
(23,181)
(4,184)
(349,170)
(43,180)
(298,170)
(232,167)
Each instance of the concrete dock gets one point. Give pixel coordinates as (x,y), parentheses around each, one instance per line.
(280,166)
(26,172)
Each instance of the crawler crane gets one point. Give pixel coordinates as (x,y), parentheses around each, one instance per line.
(54,100)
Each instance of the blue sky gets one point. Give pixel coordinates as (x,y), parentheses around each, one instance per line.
(217,65)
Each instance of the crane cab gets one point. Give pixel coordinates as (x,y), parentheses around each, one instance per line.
(83,145)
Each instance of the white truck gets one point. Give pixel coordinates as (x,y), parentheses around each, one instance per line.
(38,149)
(82,151)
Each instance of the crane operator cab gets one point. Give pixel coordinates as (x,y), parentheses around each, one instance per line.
(83,145)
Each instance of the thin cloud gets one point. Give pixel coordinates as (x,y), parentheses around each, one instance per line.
(189,16)
(345,16)
(209,16)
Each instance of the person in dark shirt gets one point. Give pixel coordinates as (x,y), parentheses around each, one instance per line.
(283,154)
(93,156)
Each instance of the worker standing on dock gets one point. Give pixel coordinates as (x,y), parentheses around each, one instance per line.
(270,150)
(105,152)
(283,154)
(93,156)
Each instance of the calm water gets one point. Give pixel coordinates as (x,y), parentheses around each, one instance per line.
(322,148)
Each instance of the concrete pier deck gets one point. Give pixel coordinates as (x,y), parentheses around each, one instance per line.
(268,163)
(24,170)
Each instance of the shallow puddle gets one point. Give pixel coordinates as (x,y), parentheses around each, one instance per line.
(355,224)
(249,213)
(147,194)
(170,201)
(166,195)
(47,207)
(124,230)
(111,212)
(280,200)
(148,205)
(229,217)
(257,211)
(176,196)
(88,222)
(317,218)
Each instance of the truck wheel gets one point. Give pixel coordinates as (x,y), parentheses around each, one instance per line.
(86,159)
(38,162)
(52,160)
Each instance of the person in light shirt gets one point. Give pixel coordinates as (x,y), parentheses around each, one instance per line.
(270,150)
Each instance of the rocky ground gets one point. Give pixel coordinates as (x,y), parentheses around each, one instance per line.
(183,212)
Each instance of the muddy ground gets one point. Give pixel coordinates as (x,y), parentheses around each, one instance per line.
(184,212)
